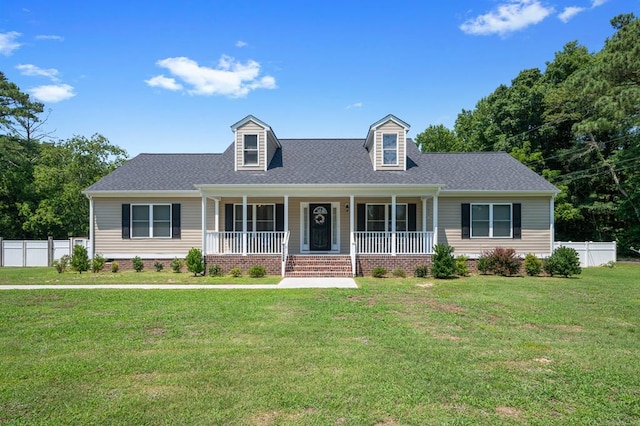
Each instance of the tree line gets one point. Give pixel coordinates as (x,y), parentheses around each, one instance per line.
(577,123)
(41,179)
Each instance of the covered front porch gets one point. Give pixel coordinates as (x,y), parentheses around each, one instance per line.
(398,221)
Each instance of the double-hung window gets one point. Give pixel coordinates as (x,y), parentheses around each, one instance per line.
(260,217)
(390,148)
(491,220)
(151,220)
(379,217)
(250,150)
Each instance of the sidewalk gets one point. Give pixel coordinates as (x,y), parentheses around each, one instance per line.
(284,284)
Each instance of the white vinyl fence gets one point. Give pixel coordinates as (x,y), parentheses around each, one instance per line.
(592,253)
(36,252)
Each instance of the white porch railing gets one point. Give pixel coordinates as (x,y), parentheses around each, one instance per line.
(285,252)
(374,242)
(226,242)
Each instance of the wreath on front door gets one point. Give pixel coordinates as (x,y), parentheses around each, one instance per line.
(319,218)
(319,215)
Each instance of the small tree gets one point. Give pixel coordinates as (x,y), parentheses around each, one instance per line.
(195,262)
(532,265)
(80,259)
(444,264)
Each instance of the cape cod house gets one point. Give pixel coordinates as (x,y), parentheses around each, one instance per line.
(333,207)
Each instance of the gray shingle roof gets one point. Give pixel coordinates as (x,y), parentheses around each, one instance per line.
(325,161)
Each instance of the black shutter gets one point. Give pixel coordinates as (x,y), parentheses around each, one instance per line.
(280,217)
(228,217)
(126,220)
(517,221)
(175,221)
(466,221)
(411,217)
(361,210)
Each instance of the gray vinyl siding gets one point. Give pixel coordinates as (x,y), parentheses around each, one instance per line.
(108,228)
(390,127)
(250,128)
(536,235)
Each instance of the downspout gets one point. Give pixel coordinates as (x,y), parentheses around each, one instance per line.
(91,229)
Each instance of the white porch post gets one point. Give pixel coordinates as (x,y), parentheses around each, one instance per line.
(393,225)
(92,244)
(286,213)
(204,224)
(552,227)
(435,220)
(352,240)
(216,224)
(244,225)
(425,239)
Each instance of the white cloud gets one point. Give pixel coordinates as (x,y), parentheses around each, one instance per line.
(8,42)
(355,105)
(32,70)
(240,43)
(230,78)
(507,17)
(596,3)
(49,37)
(570,12)
(164,82)
(52,93)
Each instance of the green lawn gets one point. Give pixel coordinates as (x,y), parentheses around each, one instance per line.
(483,349)
(51,276)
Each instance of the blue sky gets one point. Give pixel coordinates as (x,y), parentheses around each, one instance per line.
(169,76)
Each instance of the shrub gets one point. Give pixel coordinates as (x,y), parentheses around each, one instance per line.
(462,267)
(422,271)
(503,261)
(563,261)
(137,264)
(80,259)
(399,273)
(159,266)
(176,265)
(379,271)
(235,272)
(194,261)
(97,263)
(61,264)
(532,265)
(215,271)
(444,264)
(257,271)
(115,266)
(483,264)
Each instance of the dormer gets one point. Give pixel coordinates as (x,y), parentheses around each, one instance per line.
(255,144)
(386,143)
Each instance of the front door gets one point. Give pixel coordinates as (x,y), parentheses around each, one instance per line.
(320,227)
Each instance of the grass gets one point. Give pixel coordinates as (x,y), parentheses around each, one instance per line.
(38,275)
(477,350)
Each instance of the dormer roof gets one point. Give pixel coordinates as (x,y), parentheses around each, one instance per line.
(389,117)
(257,121)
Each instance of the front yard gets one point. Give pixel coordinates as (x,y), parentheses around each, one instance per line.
(482,349)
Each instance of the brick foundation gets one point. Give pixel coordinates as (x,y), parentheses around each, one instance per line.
(366,262)
(272,263)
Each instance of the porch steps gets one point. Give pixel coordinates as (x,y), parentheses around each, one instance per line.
(318,266)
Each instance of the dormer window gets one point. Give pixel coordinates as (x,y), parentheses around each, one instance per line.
(250,151)
(390,149)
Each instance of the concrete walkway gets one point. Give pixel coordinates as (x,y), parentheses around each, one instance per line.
(285,283)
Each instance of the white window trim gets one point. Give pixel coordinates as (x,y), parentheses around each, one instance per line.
(150,205)
(304,227)
(387,218)
(491,220)
(245,149)
(254,216)
(396,149)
